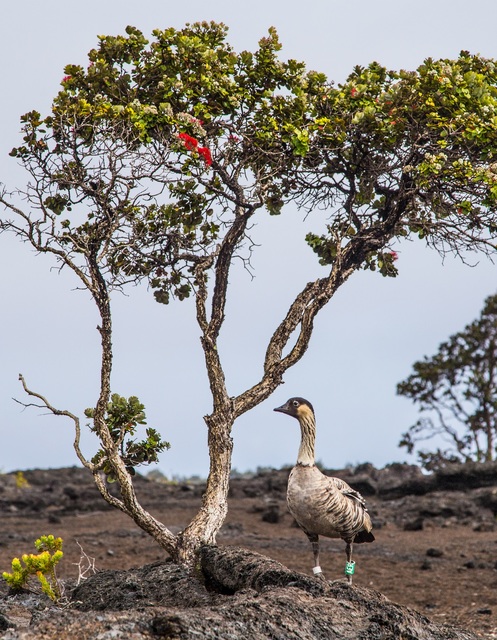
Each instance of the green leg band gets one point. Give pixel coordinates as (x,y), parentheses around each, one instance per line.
(349,568)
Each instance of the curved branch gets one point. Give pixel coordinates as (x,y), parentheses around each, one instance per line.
(303,311)
(60,412)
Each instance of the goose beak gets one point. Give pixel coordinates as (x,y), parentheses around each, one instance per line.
(283,409)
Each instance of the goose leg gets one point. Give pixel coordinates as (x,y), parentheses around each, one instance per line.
(350,565)
(314,540)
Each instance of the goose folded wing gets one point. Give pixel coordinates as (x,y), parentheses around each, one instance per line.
(347,491)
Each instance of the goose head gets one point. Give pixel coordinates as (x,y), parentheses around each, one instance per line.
(297,408)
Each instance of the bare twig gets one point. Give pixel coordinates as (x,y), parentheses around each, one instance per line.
(86,565)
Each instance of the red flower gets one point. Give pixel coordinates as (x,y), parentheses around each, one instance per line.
(353,92)
(189,141)
(206,155)
(191,144)
(394,255)
(66,78)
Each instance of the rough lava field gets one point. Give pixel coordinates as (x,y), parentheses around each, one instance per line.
(435,552)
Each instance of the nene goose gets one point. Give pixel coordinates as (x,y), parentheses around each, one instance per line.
(321,505)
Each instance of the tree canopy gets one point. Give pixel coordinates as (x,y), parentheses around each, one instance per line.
(159,156)
(457,390)
(174,136)
(407,154)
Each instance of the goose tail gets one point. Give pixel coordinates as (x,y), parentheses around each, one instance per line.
(364,536)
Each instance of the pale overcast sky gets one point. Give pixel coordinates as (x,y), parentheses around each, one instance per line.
(365,340)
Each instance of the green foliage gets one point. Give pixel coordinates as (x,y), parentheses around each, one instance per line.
(324,247)
(122,418)
(41,565)
(457,389)
(147,143)
(406,154)
(158,146)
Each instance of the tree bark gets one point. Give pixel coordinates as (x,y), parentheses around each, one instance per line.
(211,515)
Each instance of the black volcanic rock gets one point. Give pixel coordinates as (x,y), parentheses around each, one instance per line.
(251,596)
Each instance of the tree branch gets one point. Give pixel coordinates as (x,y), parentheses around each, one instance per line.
(61,412)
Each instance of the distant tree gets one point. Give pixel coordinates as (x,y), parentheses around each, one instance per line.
(457,389)
(157,157)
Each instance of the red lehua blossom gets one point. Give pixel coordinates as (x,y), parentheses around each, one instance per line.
(189,141)
(394,255)
(66,78)
(206,155)
(353,92)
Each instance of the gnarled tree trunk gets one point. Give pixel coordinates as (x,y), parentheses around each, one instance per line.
(211,515)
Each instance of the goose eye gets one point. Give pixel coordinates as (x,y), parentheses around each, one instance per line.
(295,403)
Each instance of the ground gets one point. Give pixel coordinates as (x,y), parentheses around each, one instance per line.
(435,552)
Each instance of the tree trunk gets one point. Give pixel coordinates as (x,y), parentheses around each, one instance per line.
(205,525)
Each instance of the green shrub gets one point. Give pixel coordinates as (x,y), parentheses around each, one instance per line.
(41,565)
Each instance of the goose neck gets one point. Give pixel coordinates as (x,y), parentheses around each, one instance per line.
(307,442)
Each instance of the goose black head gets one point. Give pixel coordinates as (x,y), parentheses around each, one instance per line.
(296,407)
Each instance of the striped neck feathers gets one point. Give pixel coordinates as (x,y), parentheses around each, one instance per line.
(308,437)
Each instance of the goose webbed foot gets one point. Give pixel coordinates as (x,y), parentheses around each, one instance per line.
(319,575)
